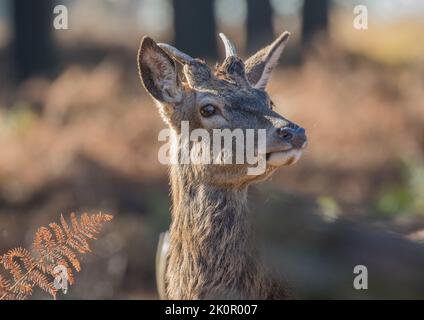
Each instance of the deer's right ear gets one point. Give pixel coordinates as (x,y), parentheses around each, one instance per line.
(260,65)
(158,72)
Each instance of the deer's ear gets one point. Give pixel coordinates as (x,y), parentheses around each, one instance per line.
(260,65)
(158,72)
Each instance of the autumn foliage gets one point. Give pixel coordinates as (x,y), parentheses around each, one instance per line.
(58,244)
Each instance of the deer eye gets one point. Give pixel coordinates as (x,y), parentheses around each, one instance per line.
(208,110)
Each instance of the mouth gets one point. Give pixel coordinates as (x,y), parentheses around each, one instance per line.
(284,157)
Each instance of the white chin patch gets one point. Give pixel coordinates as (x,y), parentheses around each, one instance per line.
(284,158)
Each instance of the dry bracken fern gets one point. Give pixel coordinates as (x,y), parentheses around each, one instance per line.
(56,245)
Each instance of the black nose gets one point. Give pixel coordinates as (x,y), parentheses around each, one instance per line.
(292,134)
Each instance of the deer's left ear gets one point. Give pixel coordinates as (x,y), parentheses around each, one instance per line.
(260,65)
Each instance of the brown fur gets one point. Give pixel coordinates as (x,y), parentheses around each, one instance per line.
(212,248)
(212,253)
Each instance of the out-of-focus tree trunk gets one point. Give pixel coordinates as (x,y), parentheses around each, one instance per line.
(33,44)
(195,30)
(315,19)
(259,24)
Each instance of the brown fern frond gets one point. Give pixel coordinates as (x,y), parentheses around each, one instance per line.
(4,289)
(40,279)
(43,241)
(56,245)
(67,253)
(65,225)
(75,224)
(21,290)
(58,232)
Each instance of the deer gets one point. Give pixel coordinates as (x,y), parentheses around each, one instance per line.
(210,250)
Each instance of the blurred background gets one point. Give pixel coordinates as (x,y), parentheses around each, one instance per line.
(78,132)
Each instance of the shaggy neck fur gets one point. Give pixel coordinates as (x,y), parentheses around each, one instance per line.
(211,253)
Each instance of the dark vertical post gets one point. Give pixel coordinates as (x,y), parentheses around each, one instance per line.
(315,19)
(195,29)
(33,44)
(260,31)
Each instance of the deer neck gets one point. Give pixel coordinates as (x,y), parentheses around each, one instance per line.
(210,250)
(198,204)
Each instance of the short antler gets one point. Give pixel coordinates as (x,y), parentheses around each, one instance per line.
(230,49)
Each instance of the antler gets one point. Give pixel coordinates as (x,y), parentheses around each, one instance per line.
(230,49)
(181,57)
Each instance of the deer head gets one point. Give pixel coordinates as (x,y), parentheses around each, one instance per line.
(232,96)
